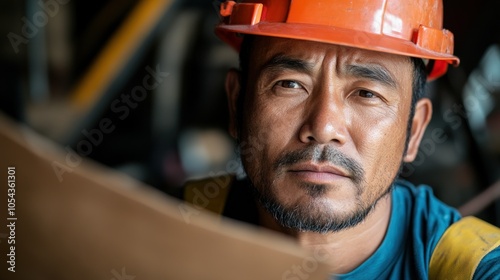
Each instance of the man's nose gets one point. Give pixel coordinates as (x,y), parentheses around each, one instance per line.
(324,120)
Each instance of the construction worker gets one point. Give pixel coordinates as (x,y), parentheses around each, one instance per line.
(326,107)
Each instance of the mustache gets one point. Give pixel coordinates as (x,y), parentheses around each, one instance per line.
(323,154)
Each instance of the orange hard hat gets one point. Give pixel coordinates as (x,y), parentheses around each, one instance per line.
(411,28)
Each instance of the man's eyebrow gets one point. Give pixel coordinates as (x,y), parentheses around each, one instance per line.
(372,72)
(284,62)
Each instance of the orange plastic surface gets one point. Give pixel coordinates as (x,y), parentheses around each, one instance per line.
(410,28)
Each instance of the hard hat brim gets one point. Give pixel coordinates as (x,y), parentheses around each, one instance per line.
(333,35)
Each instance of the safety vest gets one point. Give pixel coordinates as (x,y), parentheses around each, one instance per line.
(456,256)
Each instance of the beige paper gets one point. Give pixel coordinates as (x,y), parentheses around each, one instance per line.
(79,220)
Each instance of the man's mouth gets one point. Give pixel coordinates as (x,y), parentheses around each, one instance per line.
(318,173)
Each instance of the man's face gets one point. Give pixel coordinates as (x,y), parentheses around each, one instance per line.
(323,129)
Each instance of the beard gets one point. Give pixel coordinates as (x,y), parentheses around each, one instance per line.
(317,216)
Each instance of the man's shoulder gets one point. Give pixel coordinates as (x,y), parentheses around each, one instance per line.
(429,218)
(426,216)
(468,244)
(420,200)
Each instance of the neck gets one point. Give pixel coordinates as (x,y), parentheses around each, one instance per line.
(344,250)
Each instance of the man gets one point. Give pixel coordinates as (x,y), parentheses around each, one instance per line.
(326,107)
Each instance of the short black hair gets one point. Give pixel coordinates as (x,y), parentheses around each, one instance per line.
(418,92)
(418,85)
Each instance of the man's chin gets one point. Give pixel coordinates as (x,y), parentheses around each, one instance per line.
(317,217)
(314,213)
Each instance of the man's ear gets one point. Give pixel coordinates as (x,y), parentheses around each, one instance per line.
(232,86)
(422,117)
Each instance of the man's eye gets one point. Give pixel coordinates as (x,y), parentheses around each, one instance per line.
(288,84)
(366,94)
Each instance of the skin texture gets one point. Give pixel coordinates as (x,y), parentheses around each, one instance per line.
(322,136)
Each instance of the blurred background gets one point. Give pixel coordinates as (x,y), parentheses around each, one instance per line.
(138,86)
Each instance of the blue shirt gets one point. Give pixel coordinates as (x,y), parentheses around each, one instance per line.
(418,220)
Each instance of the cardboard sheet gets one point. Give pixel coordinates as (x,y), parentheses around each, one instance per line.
(75,219)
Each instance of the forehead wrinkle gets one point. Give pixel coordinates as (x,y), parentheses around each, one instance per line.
(281,61)
(372,72)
